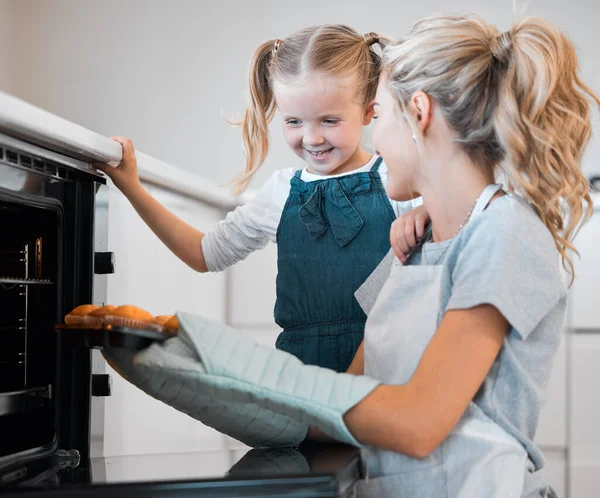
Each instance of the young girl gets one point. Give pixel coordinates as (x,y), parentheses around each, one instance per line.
(330,220)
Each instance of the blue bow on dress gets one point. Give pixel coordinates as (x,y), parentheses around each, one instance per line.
(335,211)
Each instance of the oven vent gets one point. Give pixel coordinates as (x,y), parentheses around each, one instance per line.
(36,163)
(12,156)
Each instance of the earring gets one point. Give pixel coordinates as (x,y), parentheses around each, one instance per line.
(414,139)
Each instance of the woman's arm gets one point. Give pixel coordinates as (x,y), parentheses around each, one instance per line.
(357,367)
(416,417)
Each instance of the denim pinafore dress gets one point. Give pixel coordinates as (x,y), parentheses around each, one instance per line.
(332,234)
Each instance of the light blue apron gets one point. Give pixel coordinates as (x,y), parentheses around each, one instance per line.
(478,458)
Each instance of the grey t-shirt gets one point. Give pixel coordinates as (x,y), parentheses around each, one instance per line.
(505,257)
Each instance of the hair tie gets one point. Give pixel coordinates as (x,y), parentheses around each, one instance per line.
(371,38)
(276,46)
(501,45)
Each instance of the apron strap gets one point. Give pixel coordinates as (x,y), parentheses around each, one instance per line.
(485,198)
(298,174)
(482,202)
(376,165)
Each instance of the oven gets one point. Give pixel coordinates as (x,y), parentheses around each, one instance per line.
(53,212)
(54,257)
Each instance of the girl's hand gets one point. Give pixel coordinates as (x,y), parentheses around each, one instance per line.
(407,230)
(125,175)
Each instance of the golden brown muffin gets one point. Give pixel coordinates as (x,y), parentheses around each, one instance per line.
(162,319)
(98,316)
(171,326)
(133,313)
(132,316)
(79,314)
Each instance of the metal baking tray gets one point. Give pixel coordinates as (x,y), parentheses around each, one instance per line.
(110,336)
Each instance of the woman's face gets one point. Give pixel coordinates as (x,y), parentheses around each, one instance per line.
(392,140)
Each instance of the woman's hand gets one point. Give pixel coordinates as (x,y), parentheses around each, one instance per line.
(407,230)
(125,175)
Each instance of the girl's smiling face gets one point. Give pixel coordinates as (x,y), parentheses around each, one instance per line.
(323,121)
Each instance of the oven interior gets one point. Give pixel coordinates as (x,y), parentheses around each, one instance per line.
(30,262)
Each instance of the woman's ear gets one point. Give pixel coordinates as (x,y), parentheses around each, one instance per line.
(421,109)
(369,113)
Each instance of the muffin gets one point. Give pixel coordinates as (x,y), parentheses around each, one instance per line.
(131,316)
(171,326)
(98,316)
(79,315)
(162,319)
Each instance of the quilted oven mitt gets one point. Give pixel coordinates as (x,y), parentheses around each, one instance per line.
(211,362)
(179,388)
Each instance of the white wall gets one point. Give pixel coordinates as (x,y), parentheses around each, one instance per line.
(7,49)
(162,72)
(149,275)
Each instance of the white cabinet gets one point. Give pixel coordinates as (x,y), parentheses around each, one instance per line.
(150,276)
(252,290)
(584,416)
(584,366)
(585,291)
(555,471)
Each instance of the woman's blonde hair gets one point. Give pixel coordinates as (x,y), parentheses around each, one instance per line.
(515,101)
(331,49)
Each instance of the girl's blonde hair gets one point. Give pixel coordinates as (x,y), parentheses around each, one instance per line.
(330,49)
(515,101)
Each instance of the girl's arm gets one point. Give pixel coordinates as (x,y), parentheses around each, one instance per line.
(182,239)
(246,229)
(416,417)
(407,230)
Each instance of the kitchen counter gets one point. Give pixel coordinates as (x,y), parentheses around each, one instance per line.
(313,470)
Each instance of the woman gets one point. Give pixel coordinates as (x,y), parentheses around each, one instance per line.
(469,355)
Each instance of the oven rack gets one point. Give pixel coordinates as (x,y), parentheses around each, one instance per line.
(24,400)
(10,282)
(19,357)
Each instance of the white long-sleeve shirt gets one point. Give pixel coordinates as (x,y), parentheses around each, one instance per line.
(251,226)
